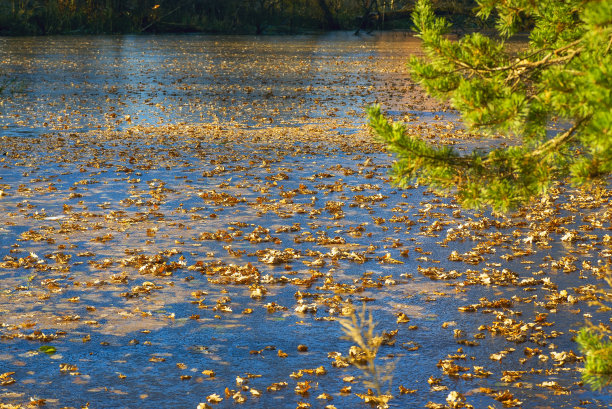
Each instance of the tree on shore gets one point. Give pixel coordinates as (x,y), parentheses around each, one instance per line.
(563,75)
(43,17)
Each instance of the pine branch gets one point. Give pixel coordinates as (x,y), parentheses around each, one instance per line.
(564,138)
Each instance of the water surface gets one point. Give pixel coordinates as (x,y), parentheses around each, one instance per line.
(148,181)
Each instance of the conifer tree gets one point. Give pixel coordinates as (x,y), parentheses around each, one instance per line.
(564,73)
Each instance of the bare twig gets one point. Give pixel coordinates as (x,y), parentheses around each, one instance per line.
(159,19)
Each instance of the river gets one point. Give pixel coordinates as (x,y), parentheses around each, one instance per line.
(175,206)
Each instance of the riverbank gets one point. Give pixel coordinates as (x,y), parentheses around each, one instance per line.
(228,17)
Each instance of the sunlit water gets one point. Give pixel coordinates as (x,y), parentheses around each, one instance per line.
(67,85)
(98,81)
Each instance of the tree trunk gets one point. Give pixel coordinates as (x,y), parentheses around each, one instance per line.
(366,15)
(330,20)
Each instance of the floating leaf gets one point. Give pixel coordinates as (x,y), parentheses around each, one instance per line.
(48,349)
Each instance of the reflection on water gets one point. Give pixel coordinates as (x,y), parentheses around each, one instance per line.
(120,81)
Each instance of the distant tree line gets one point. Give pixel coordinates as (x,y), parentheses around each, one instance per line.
(42,17)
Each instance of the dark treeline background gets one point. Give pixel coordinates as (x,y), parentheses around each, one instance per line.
(42,17)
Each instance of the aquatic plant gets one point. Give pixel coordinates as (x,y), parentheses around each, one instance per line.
(359,328)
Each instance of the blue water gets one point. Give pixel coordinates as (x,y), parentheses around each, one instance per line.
(111,184)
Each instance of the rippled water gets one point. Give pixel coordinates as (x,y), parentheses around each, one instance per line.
(146,189)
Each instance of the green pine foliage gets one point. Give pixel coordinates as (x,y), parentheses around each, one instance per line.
(565,74)
(595,341)
(597,349)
